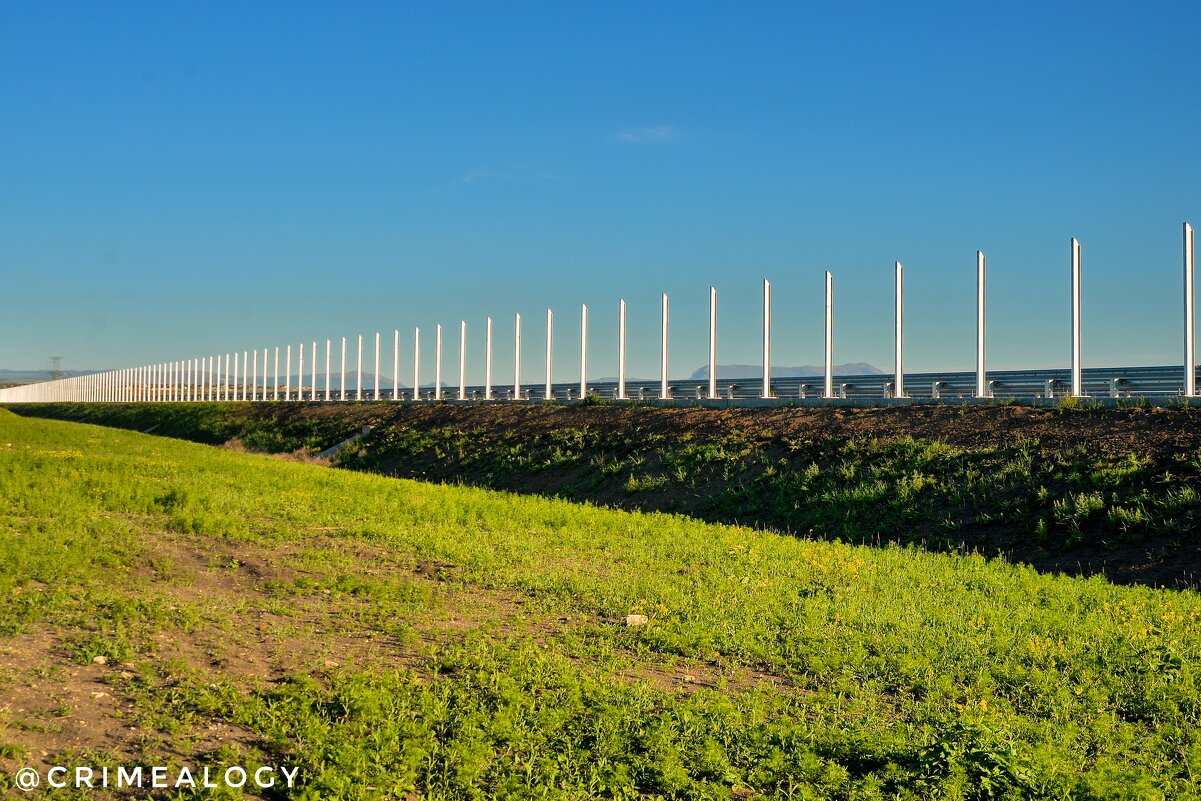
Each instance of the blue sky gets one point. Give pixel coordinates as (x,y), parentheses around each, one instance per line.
(181,179)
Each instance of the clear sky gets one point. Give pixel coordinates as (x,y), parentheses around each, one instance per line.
(180,179)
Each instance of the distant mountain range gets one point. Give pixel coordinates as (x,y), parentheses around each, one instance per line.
(727,371)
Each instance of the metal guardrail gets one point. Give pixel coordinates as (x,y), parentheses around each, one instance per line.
(1047,384)
(1158,382)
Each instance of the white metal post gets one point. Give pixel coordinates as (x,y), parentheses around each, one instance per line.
(237,367)
(517,357)
(899,385)
(766,393)
(416,363)
(1077,378)
(438,362)
(396,364)
(488,359)
(462,360)
(313,390)
(375,388)
(358,373)
(328,372)
(275,385)
(265,369)
(663,390)
(254,377)
(981,371)
(300,374)
(342,380)
(712,343)
(621,349)
(828,390)
(583,350)
(288,375)
(550,326)
(1190,315)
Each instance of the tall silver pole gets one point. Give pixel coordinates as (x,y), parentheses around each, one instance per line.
(829,357)
(981,373)
(517,357)
(462,360)
(358,372)
(313,391)
(416,363)
(712,343)
(663,391)
(899,385)
(438,362)
(275,386)
(328,371)
(550,327)
(1190,316)
(488,359)
(584,350)
(766,393)
(375,387)
(396,364)
(621,349)
(1077,382)
(342,380)
(288,376)
(300,375)
(255,377)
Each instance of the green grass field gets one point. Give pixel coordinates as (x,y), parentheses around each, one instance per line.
(395,639)
(1115,492)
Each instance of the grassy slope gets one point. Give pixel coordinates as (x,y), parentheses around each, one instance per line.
(476,653)
(1073,506)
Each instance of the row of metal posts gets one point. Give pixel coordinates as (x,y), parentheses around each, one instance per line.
(208,378)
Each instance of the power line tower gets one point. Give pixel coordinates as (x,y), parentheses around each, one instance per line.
(56,370)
